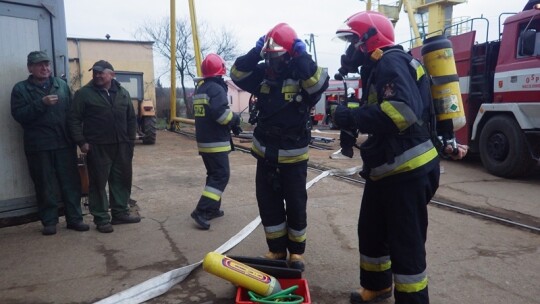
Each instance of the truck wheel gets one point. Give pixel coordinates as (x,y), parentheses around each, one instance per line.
(149,130)
(503,148)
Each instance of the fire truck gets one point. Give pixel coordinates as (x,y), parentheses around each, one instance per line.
(500,87)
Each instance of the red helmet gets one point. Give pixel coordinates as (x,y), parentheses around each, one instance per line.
(279,40)
(213,65)
(369,30)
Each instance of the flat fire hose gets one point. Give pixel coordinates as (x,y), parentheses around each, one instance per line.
(160,284)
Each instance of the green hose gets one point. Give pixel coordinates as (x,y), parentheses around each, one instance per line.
(285,296)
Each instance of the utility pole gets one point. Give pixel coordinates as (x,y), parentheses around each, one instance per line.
(310,43)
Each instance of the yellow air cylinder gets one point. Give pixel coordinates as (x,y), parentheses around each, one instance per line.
(439,61)
(241,274)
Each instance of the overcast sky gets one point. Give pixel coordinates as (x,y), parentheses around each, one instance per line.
(249,19)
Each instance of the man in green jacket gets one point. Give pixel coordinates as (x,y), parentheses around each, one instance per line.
(41,104)
(102,122)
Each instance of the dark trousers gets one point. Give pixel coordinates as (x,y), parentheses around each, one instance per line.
(109,165)
(56,178)
(272,189)
(217,178)
(393,222)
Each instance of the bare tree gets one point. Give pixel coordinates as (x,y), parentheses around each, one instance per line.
(223,43)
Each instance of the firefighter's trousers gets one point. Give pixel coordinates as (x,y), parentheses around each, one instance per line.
(392,234)
(284,222)
(217,178)
(56,178)
(112,165)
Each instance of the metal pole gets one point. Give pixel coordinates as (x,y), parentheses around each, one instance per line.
(195,35)
(172,101)
(312,41)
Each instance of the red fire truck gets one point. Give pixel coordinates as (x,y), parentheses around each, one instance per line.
(500,87)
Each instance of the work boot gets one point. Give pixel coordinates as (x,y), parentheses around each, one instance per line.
(105,228)
(213,214)
(125,218)
(200,220)
(276,255)
(363,295)
(78,226)
(296,261)
(49,230)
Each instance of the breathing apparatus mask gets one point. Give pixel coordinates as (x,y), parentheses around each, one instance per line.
(276,62)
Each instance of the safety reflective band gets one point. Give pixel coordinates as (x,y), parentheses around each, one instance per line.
(200,99)
(297,236)
(379,264)
(352,105)
(290,86)
(411,159)
(410,283)
(237,75)
(314,84)
(214,147)
(225,117)
(274,232)
(212,193)
(400,113)
(420,71)
(284,156)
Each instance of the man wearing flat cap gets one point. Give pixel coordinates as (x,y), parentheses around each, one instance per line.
(41,104)
(102,122)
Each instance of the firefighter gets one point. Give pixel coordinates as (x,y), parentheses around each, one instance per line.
(213,124)
(401,163)
(351,101)
(287,84)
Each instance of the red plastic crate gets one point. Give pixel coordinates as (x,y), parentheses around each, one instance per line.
(242,296)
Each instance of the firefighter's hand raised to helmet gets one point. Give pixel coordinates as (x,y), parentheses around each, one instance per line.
(457,152)
(260,43)
(299,47)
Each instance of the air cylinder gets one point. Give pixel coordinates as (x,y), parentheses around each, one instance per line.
(241,274)
(439,61)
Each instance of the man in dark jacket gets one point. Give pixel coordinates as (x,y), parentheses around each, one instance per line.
(41,104)
(287,85)
(213,123)
(102,122)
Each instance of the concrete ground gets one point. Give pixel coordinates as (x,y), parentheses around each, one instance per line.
(470,260)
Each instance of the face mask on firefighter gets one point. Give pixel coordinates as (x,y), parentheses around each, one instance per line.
(276,62)
(351,60)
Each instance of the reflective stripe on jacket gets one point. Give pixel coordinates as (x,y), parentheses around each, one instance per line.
(399,100)
(212,116)
(283,130)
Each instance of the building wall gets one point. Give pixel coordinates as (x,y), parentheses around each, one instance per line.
(127,56)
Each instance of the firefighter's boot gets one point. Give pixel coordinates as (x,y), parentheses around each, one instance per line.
(296,261)
(200,220)
(276,255)
(363,295)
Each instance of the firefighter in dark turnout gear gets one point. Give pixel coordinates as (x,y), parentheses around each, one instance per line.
(287,84)
(401,163)
(213,124)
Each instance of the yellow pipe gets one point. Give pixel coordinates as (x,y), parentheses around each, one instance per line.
(172,101)
(184,120)
(412,21)
(195,35)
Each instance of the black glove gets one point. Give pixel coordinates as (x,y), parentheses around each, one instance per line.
(347,140)
(236,130)
(341,116)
